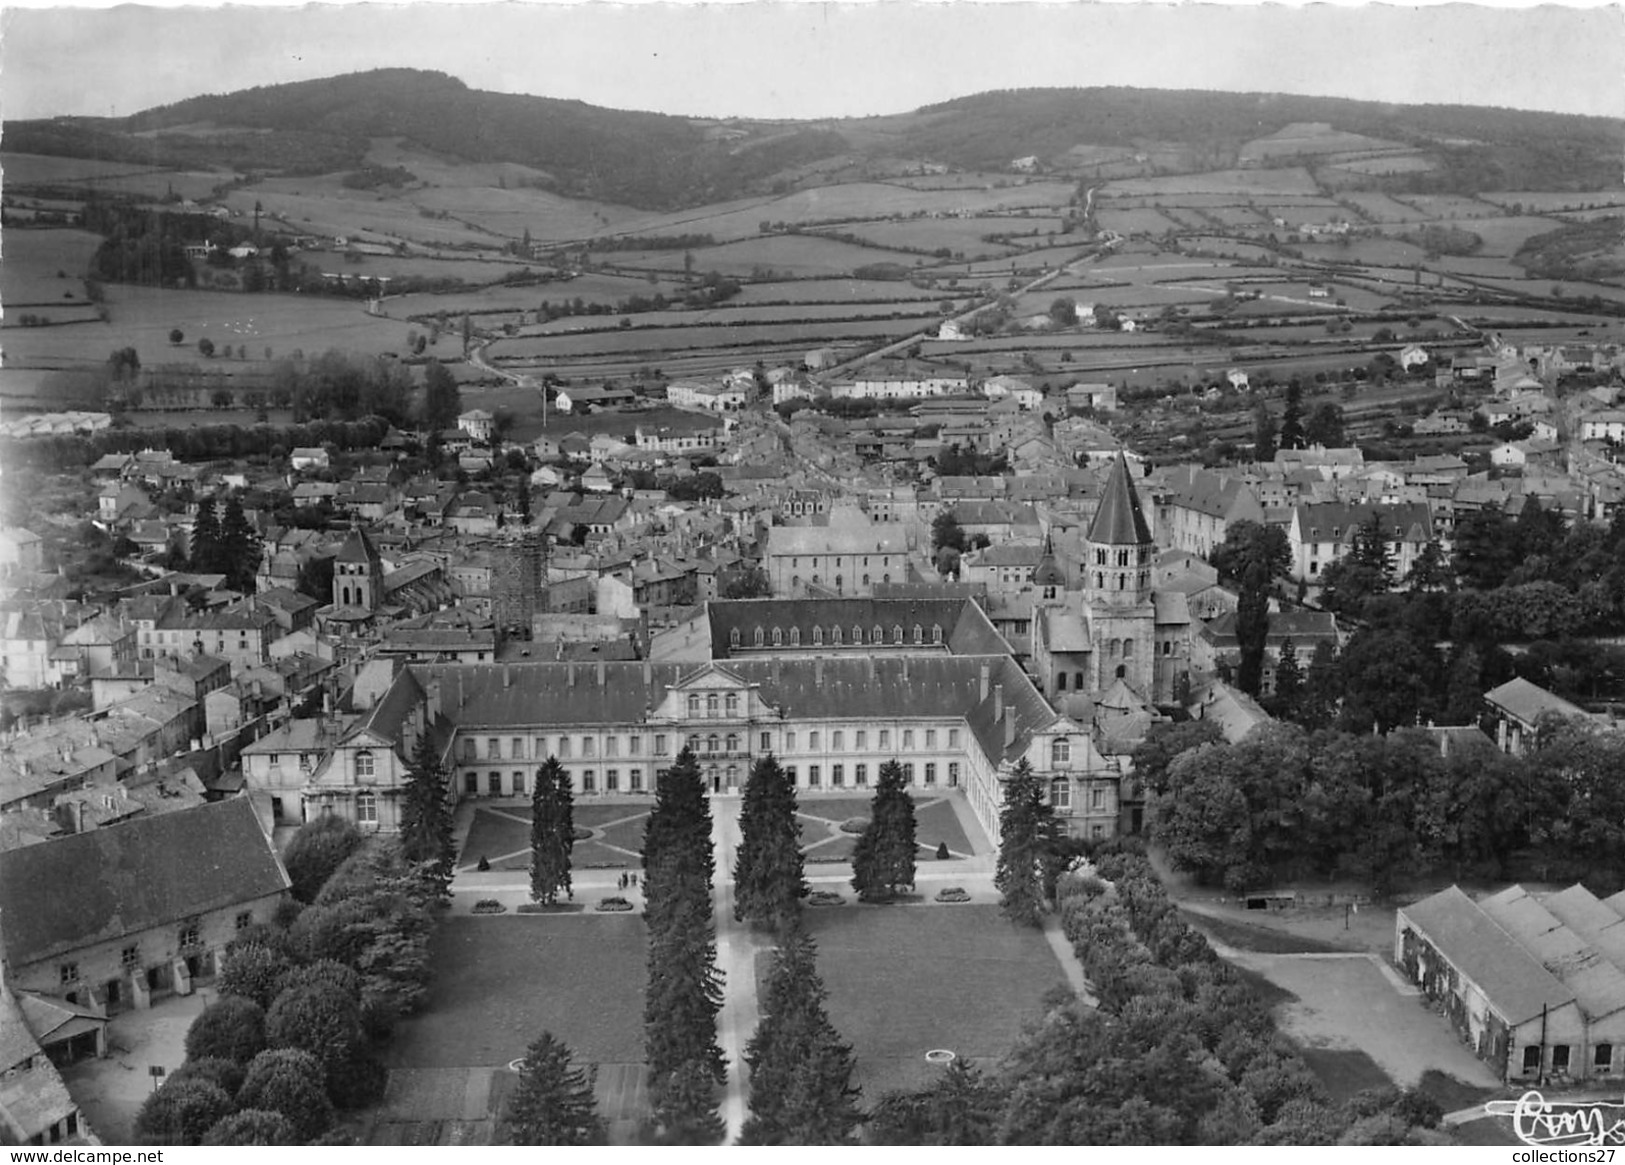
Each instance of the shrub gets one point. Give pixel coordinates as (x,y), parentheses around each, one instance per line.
(254,972)
(489,906)
(316,851)
(358,1082)
(232,1029)
(227,1075)
(953,894)
(485,864)
(252,1126)
(615,902)
(325,972)
(854,825)
(181,1112)
(824,898)
(293,1083)
(321,1019)
(332,933)
(942,852)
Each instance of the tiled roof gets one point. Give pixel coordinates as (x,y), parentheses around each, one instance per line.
(1515,983)
(965,628)
(152,871)
(1596,982)
(357,547)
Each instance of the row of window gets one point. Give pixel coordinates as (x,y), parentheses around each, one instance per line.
(731,742)
(130,956)
(517,786)
(837,637)
(1602,1058)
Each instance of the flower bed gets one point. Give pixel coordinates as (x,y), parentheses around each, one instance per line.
(953,894)
(854,825)
(824,898)
(614,903)
(489,906)
(543,908)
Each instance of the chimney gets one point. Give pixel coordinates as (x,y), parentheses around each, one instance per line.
(987,673)
(998,702)
(1009,729)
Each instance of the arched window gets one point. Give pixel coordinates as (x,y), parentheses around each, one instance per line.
(857,632)
(818,636)
(366,809)
(1100,580)
(732,703)
(1128,649)
(879,636)
(919,633)
(733,637)
(694,742)
(778,637)
(1060,751)
(936,633)
(760,637)
(694,704)
(897,633)
(835,635)
(733,776)
(712,742)
(865,580)
(363,764)
(711,705)
(733,742)
(838,586)
(795,637)
(1060,681)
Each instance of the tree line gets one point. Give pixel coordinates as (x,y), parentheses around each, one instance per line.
(1286,803)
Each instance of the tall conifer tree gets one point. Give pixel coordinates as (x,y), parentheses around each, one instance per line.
(553,1103)
(552,832)
(883,859)
(1027,835)
(769,879)
(426,823)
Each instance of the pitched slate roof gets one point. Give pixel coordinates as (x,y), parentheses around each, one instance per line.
(1592,919)
(541,695)
(965,629)
(152,871)
(1515,983)
(357,547)
(1528,701)
(1119,521)
(1597,983)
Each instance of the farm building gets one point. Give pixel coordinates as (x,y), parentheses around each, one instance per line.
(1534,984)
(1517,706)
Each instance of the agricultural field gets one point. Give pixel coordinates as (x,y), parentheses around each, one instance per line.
(957,234)
(731,316)
(45,267)
(350,213)
(832,291)
(1313,137)
(1261,183)
(1383,209)
(49,170)
(1396,163)
(1449,206)
(1133,221)
(792,255)
(141,318)
(1376,250)
(468,270)
(653,341)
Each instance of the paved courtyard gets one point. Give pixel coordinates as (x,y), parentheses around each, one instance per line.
(1346,1001)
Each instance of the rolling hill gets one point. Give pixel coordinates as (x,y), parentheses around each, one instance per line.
(663,162)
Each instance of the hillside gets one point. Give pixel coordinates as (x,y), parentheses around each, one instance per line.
(662,162)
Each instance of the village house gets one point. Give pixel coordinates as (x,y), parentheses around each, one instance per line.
(79,925)
(1518,709)
(1321,533)
(478,424)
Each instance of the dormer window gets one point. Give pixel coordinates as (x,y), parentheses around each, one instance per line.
(857,634)
(919,633)
(760,637)
(733,637)
(818,636)
(363,763)
(835,635)
(879,635)
(936,633)
(778,637)
(795,637)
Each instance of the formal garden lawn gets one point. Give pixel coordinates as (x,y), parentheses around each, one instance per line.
(825,841)
(501,980)
(501,835)
(904,980)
